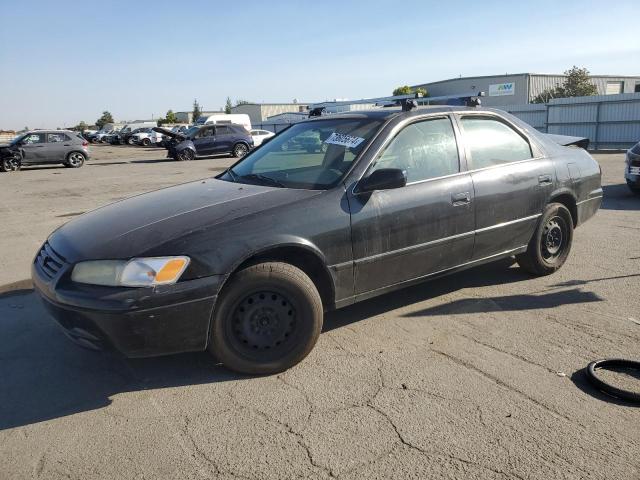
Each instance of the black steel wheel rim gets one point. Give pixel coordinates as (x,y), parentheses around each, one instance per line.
(240,151)
(554,238)
(263,321)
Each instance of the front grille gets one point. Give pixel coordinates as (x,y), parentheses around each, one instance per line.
(49,262)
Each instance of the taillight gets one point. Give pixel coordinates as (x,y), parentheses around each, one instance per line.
(85,143)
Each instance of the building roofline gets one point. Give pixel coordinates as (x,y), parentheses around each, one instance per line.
(530,74)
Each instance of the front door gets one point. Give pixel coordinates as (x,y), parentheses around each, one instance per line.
(422,228)
(511,179)
(205,140)
(33,148)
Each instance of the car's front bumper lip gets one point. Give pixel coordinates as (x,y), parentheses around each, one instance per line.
(137,322)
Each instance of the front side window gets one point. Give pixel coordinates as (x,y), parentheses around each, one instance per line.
(310,155)
(492,142)
(424,150)
(222,130)
(33,138)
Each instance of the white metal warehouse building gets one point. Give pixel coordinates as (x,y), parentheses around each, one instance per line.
(521,88)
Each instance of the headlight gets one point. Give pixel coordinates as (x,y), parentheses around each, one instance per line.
(138,272)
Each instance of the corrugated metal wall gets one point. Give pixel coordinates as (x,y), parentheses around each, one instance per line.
(608,121)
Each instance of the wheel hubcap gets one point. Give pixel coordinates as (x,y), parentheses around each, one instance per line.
(553,238)
(241,151)
(263,320)
(11,164)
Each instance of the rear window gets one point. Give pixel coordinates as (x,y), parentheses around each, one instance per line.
(58,137)
(636,149)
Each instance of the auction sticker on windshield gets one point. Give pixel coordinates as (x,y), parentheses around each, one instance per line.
(344,140)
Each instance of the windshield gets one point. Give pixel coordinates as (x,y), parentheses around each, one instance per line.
(311,155)
(192,132)
(17,139)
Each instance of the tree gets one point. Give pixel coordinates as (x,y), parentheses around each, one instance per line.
(243,102)
(407,90)
(104,119)
(195,115)
(577,83)
(170,117)
(228,106)
(82,126)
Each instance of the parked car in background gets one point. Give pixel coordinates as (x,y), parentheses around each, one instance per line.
(164,142)
(142,137)
(44,146)
(245,264)
(632,168)
(208,140)
(126,133)
(260,135)
(225,118)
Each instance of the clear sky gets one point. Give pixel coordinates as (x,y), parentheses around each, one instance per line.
(63,62)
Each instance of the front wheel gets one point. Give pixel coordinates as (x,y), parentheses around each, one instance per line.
(240,150)
(185,155)
(11,164)
(268,319)
(551,242)
(633,187)
(146,142)
(75,160)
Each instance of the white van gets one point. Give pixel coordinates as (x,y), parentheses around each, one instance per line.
(221,118)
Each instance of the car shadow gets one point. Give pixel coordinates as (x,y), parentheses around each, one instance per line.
(496,273)
(44,376)
(619,197)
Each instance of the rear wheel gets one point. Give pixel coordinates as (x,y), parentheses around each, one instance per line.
(551,242)
(75,160)
(130,141)
(11,164)
(146,142)
(268,319)
(240,150)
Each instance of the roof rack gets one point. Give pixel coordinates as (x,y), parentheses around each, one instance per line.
(407,102)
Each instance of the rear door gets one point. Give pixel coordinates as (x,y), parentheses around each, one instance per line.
(423,228)
(512,181)
(58,144)
(224,139)
(33,147)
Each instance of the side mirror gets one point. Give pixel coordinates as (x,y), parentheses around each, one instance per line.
(383,179)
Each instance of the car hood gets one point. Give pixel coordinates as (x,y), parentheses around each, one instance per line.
(169,133)
(139,224)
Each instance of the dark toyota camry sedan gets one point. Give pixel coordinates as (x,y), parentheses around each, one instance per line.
(245,264)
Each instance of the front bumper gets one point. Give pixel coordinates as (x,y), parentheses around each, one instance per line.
(137,322)
(632,175)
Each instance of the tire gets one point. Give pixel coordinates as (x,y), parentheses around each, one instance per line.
(146,142)
(130,141)
(633,188)
(240,150)
(268,318)
(608,388)
(550,245)
(185,155)
(75,160)
(11,164)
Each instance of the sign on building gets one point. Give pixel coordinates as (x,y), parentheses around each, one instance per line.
(500,89)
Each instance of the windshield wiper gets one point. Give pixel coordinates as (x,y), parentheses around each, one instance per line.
(234,176)
(263,178)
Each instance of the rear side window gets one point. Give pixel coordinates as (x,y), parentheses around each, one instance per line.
(492,142)
(423,150)
(58,137)
(222,130)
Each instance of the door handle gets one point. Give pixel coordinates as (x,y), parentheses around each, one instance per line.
(462,198)
(544,179)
